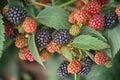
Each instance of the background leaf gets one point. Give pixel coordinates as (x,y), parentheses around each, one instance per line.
(54,17)
(32,11)
(7,43)
(88,42)
(87,30)
(9,54)
(113,37)
(15,2)
(33,49)
(2,39)
(3,3)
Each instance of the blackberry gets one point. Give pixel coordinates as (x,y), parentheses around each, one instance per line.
(86,61)
(42,37)
(111,19)
(85,70)
(16,14)
(62,70)
(14,34)
(62,37)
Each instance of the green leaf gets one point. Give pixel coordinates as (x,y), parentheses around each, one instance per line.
(113,37)
(2,39)
(32,11)
(67,53)
(15,2)
(61,1)
(88,42)
(87,30)
(99,72)
(7,43)
(33,49)
(54,17)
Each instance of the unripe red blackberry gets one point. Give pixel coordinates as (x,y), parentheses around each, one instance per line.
(93,8)
(102,2)
(117,10)
(21,41)
(16,14)
(78,16)
(96,22)
(8,29)
(44,55)
(29,25)
(28,55)
(53,47)
(74,67)
(100,58)
(25,54)
(22,54)
(79,4)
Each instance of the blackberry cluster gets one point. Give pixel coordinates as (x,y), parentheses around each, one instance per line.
(84,70)
(14,34)
(62,70)
(42,37)
(16,14)
(86,67)
(87,61)
(62,37)
(111,19)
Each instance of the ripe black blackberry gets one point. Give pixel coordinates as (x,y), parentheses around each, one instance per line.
(62,37)
(85,70)
(86,61)
(14,35)
(111,19)
(62,70)
(16,14)
(42,37)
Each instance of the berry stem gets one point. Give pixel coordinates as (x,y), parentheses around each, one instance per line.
(75,77)
(53,2)
(67,3)
(38,3)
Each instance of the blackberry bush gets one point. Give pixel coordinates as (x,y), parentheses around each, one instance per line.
(16,14)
